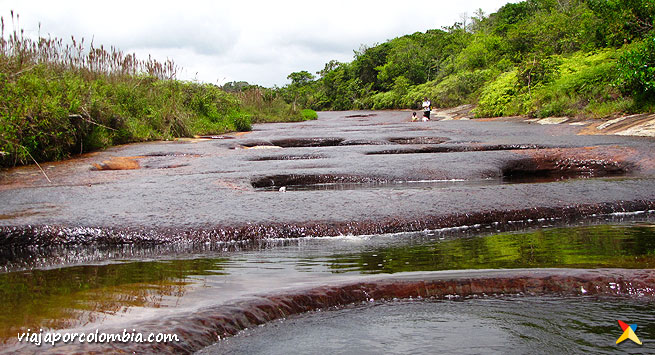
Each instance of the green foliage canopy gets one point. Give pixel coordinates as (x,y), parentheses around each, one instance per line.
(532,42)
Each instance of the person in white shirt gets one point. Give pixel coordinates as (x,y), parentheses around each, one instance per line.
(426,109)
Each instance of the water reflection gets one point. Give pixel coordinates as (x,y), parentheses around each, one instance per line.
(74,296)
(67,297)
(582,247)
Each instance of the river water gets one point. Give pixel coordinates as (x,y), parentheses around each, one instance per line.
(509,325)
(119,293)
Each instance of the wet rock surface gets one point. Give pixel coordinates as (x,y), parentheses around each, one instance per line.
(209,325)
(212,292)
(191,203)
(196,190)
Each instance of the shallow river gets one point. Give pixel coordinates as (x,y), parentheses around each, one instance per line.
(124,293)
(509,325)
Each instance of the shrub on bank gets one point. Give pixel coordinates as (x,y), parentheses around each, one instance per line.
(637,70)
(581,83)
(48,114)
(58,99)
(497,98)
(308,114)
(456,89)
(267,105)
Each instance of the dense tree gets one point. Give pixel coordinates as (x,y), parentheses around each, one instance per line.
(367,61)
(300,78)
(637,69)
(623,20)
(545,56)
(235,86)
(298,91)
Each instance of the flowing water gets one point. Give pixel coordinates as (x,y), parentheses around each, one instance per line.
(398,185)
(119,292)
(430,184)
(510,325)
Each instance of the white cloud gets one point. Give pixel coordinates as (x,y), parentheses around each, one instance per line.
(256,41)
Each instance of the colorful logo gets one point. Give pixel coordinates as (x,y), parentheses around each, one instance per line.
(628,333)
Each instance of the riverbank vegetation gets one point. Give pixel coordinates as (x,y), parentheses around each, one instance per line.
(593,58)
(60,98)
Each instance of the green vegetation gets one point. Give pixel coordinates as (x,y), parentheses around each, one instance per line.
(59,99)
(586,247)
(58,298)
(308,114)
(537,57)
(267,105)
(594,58)
(637,69)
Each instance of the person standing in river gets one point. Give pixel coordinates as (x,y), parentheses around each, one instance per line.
(426,109)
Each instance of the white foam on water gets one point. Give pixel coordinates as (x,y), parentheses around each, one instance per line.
(629,213)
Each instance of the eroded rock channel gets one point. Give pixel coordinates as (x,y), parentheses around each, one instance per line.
(207,221)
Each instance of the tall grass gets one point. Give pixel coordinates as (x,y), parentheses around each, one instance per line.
(20,53)
(267,105)
(59,98)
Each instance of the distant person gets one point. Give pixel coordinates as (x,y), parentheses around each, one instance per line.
(426,109)
(414,117)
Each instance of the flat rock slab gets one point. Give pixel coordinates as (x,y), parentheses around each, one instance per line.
(354,170)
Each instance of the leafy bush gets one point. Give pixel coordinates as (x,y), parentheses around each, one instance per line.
(242,123)
(636,69)
(308,114)
(384,100)
(456,89)
(582,79)
(497,98)
(599,109)
(483,51)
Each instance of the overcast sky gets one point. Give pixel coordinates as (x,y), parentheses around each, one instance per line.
(260,42)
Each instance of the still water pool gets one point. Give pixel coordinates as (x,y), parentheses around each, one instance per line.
(509,325)
(121,293)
